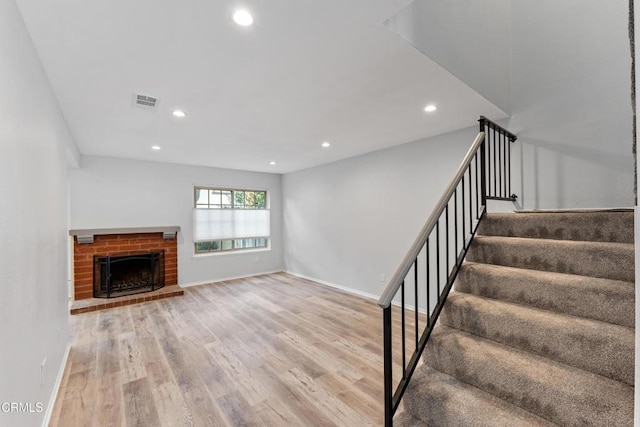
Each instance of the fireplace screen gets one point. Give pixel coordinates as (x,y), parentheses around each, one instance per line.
(127,274)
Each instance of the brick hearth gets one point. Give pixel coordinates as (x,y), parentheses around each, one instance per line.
(96,304)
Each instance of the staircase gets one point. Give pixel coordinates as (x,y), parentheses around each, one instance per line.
(538,330)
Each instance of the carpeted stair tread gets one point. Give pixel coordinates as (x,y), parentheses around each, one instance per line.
(594,259)
(595,226)
(436,399)
(542,320)
(557,392)
(594,298)
(592,345)
(404,419)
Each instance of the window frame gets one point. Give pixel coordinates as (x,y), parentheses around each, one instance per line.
(234,243)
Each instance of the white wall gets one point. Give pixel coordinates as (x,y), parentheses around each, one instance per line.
(571,103)
(562,69)
(34,145)
(108,192)
(348,222)
(470,39)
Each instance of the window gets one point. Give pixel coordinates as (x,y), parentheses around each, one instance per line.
(230,220)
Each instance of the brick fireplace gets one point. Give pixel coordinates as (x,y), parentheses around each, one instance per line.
(89,245)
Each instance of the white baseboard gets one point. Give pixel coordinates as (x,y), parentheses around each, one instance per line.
(579,210)
(352,291)
(56,387)
(206,282)
(333,285)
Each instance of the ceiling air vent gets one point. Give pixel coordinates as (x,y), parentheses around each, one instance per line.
(144,101)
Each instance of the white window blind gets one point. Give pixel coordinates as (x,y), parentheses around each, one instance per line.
(220,224)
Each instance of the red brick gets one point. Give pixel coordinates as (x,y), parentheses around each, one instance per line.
(80,276)
(83,249)
(82,258)
(83,269)
(130,247)
(82,295)
(86,267)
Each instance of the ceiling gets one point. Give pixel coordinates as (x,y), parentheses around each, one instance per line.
(306,72)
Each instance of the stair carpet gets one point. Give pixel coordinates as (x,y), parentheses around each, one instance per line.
(538,330)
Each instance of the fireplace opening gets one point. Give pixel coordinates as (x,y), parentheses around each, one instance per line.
(127,274)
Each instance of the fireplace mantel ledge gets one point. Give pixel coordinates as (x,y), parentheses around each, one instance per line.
(86,235)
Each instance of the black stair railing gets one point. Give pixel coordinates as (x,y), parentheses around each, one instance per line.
(426,274)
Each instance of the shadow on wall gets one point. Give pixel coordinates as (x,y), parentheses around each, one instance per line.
(557,164)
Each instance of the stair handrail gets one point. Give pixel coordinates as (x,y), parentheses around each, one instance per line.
(396,280)
(492,169)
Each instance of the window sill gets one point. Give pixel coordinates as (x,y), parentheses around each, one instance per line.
(229,253)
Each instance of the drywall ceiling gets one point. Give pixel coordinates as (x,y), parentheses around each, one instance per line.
(307,71)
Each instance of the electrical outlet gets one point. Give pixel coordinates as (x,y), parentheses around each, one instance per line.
(257,259)
(383,277)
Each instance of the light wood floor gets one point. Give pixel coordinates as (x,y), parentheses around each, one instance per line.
(272,350)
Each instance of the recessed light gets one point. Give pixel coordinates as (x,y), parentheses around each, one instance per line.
(155,147)
(179,113)
(242,18)
(272,163)
(326,144)
(430,108)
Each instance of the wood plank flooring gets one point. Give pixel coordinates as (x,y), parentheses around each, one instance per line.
(272,350)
